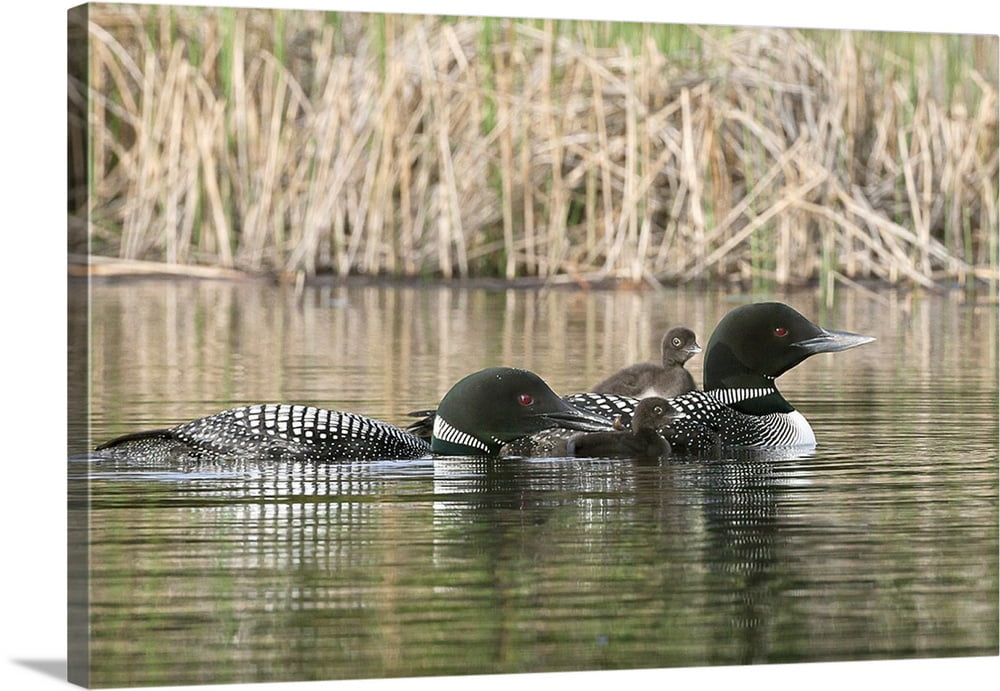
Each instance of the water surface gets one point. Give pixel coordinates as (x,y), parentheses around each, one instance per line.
(880,543)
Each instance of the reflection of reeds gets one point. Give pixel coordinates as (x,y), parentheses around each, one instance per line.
(303,142)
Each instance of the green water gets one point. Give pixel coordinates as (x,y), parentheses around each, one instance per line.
(880,543)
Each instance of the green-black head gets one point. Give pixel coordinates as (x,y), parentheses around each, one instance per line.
(496,405)
(754,344)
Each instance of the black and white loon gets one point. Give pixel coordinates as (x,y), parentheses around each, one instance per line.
(477,416)
(741,406)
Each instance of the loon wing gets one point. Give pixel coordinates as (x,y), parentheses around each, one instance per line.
(151,434)
(277,432)
(302,433)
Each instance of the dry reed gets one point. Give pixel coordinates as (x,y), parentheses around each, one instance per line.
(305,142)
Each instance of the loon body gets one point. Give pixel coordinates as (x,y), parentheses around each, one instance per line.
(665,380)
(476,417)
(708,420)
(642,440)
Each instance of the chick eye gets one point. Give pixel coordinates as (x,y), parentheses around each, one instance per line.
(780,331)
(525,399)
(676,342)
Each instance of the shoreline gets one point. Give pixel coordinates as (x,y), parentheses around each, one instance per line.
(112,269)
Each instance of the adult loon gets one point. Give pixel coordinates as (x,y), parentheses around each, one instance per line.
(643,440)
(476,417)
(665,380)
(741,406)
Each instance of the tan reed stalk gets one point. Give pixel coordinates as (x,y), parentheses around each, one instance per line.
(601,156)
(504,96)
(553,134)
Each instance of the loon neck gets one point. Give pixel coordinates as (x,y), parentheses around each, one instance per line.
(770,402)
(764,405)
(447,440)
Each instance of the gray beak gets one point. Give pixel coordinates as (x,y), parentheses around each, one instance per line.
(694,349)
(833,341)
(577,419)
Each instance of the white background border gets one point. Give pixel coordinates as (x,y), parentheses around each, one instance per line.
(33,324)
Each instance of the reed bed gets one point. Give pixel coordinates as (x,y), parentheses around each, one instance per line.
(308,142)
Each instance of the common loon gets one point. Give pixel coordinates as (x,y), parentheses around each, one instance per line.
(665,380)
(476,417)
(642,440)
(741,406)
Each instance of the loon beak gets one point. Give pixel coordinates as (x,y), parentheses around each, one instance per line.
(833,341)
(570,417)
(694,349)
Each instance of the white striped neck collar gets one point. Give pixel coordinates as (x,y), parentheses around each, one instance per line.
(448,440)
(753,400)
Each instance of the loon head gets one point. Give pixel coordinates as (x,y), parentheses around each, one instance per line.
(652,413)
(678,346)
(755,344)
(496,405)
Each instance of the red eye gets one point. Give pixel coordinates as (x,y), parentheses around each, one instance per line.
(525,399)
(780,331)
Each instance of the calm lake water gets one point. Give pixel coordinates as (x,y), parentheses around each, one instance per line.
(880,543)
